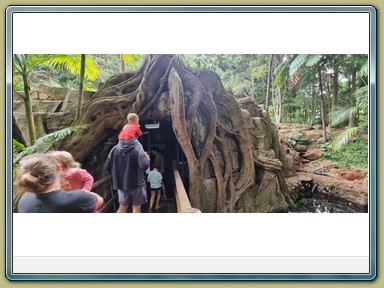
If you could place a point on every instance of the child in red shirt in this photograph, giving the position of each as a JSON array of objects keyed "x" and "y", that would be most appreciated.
[
  {"x": 131, "y": 131},
  {"x": 72, "y": 176}
]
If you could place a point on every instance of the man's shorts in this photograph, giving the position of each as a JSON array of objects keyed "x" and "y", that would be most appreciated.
[{"x": 136, "y": 197}]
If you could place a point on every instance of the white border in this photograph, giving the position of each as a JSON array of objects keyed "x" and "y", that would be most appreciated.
[{"x": 191, "y": 33}]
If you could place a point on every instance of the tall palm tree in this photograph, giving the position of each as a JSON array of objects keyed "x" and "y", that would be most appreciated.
[
  {"x": 78, "y": 64},
  {"x": 23, "y": 66},
  {"x": 353, "y": 106},
  {"x": 308, "y": 60}
]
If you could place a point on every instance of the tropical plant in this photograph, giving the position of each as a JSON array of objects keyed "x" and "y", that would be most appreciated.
[
  {"x": 23, "y": 67},
  {"x": 354, "y": 107},
  {"x": 130, "y": 60},
  {"x": 79, "y": 64},
  {"x": 44, "y": 143},
  {"x": 307, "y": 60}
]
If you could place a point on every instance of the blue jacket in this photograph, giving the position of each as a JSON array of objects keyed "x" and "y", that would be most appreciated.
[{"x": 127, "y": 164}]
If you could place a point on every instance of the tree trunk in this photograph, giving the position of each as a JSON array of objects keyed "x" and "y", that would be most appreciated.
[
  {"x": 279, "y": 105},
  {"x": 81, "y": 89},
  {"x": 207, "y": 124},
  {"x": 335, "y": 84},
  {"x": 353, "y": 118},
  {"x": 268, "y": 83},
  {"x": 322, "y": 106},
  {"x": 122, "y": 63},
  {"x": 28, "y": 109},
  {"x": 16, "y": 132},
  {"x": 313, "y": 104}
]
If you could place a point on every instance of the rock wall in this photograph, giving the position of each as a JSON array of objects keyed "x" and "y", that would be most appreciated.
[
  {"x": 267, "y": 194},
  {"x": 54, "y": 108}
]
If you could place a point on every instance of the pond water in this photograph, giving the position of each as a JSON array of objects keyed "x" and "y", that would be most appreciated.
[{"x": 309, "y": 200}]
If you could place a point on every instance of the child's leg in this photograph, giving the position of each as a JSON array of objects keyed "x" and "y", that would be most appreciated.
[
  {"x": 153, "y": 194},
  {"x": 158, "y": 198}
]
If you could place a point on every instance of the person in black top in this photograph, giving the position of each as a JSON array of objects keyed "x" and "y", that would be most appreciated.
[{"x": 39, "y": 178}]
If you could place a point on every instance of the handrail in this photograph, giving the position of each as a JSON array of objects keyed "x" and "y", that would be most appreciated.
[
  {"x": 106, "y": 206},
  {"x": 182, "y": 200},
  {"x": 101, "y": 182}
]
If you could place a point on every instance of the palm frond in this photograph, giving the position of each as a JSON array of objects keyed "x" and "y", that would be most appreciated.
[
  {"x": 341, "y": 114},
  {"x": 72, "y": 63},
  {"x": 343, "y": 138},
  {"x": 92, "y": 69},
  {"x": 313, "y": 59},
  {"x": 282, "y": 74},
  {"x": 132, "y": 59},
  {"x": 364, "y": 69},
  {"x": 361, "y": 96},
  {"x": 44, "y": 143},
  {"x": 297, "y": 63}
]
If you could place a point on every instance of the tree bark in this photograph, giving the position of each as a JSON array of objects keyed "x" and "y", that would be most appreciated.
[
  {"x": 353, "y": 118},
  {"x": 28, "y": 108},
  {"x": 279, "y": 105},
  {"x": 81, "y": 89},
  {"x": 322, "y": 105},
  {"x": 335, "y": 83},
  {"x": 122, "y": 63},
  {"x": 268, "y": 83}
]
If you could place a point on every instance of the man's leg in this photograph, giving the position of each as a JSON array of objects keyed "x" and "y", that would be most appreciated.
[
  {"x": 123, "y": 201},
  {"x": 139, "y": 197},
  {"x": 122, "y": 208},
  {"x": 136, "y": 209}
]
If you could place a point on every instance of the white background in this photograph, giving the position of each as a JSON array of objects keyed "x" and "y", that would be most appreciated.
[{"x": 191, "y": 234}]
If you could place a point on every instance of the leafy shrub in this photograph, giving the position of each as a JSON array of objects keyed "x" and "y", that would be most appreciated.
[{"x": 354, "y": 154}]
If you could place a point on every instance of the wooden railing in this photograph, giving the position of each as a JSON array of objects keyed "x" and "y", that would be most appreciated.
[
  {"x": 182, "y": 200},
  {"x": 104, "y": 208}
]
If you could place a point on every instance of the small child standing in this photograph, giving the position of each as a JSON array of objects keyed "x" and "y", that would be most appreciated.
[
  {"x": 131, "y": 131},
  {"x": 155, "y": 181},
  {"x": 72, "y": 176}
]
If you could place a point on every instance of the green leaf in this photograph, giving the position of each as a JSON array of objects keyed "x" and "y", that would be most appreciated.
[
  {"x": 313, "y": 59},
  {"x": 297, "y": 63},
  {"x": 44, "y": 143},
  {"x": 343, "y": 138},
  {"x": 72, "y": 62}
]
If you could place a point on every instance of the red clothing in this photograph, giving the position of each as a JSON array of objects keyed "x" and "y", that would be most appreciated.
[
  {"x": 129, "y": 131},
  {"x": 76, "y": 178}
]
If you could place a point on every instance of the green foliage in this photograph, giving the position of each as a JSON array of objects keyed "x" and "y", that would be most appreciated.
[
  {"x": 354, "y": 154},
  {"x": 343, "y": 138},
  {"x": 44, "y": 143},
  {"x": 72, "y": 63},
  {"x": 131, "y": 60}
]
